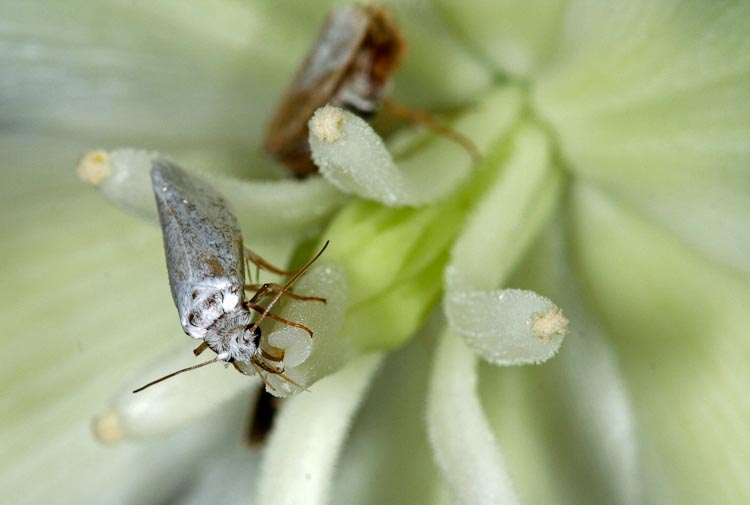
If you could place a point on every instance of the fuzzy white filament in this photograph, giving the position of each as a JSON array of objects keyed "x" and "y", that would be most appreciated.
[
  {"x": 172, "y": 404},
  {"x": 265, "y": 207},
  {"x": 125, "y": 179},
  {"x": 516, "y": 206},
  {"x": 355, "y": 159},
  {"x": 308, "y": 359},
  {"x": 308, "y": 435},
  {"x": 507, "y": 327},
  {"x": 464, "y": 445}
]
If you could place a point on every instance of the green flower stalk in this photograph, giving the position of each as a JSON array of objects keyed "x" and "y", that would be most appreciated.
[{"x": 610, "y": 200}]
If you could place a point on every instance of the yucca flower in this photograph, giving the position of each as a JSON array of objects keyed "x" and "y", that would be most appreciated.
[{"x": 614, "y": 182}]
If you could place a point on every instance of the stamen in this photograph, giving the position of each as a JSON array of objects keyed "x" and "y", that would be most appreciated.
[
  {"x": 465, "y": 449},
  {"x": 507, "y": 327}
]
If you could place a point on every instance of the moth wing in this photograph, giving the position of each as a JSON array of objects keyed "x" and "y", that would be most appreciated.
[
  {"x": 318, "y": 77},
  {"x": 202, "y": 239}
]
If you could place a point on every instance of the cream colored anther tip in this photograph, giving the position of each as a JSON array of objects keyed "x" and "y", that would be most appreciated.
[
  {"x": 551, "y": 323},
  {"x": 327, "y": 124},
  {"x": 94, "y": 167},
  {"x": 107, "y": 428}
]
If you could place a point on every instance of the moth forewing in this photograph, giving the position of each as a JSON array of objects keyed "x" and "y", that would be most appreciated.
[{"x": 203, "y": 247}]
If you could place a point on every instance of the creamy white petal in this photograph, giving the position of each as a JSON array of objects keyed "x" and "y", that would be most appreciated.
[{"x": 85, "y": 301}]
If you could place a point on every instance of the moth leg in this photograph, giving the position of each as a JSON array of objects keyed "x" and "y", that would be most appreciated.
[
  {"x": 278, "y": 373},
  {"x": 257, "y": 371},
  {"x": 263, "y": 378},
  {"x": 264, "y": 290},
  {"x": 240, "y": 370},
  {"x": 262, "y": 310},
  {"x": 259, "y": 262},
  {"x": 427, "y": 120},
  {"x": 198, "y": 350}
]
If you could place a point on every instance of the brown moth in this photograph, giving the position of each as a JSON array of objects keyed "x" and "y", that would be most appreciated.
[{"x": 349, "y": 66}]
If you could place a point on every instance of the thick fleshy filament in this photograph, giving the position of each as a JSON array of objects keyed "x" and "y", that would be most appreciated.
[
  {"x": 353, "y": 157},
  {"x": 271, "y": 208},
  {"x": 308, "y": 435},
  {"x": 464, "y": 445}
]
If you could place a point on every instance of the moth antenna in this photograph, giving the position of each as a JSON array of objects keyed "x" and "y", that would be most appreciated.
[
  {"x": 299, "y": 273},
  {"x": 178, "y": 372}
]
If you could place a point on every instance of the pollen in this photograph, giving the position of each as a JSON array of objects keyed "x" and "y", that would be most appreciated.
[
  {"x": 327, "y": 124},
  {"x": 94, "y": 167},
  {"x": 551, "y": 323}
]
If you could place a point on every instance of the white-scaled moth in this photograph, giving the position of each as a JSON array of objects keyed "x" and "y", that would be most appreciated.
[{"x": 206, "y": 266}]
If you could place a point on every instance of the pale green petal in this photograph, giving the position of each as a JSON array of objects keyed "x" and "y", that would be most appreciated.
[
  {"x": 394, "y": 258},
  {"x": 282, "y": 209},
  {"x": 170, "y": 405},
  {"x": 302, "y": 451},
  {"x": 652, "y": 101},
  {"x": 151, "y": 72},
  {"x": 85, "y": 301},
  {"x": 452, "y": 79},
  {"x": 681, "y": 324},
  {"x": 514, "y": 37},
  {"x": 465, "y": 448},
  {"x": 226, "y": 477}
]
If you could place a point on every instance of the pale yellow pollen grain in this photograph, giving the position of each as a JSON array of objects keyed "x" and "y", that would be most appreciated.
[
  {"x": 551, "y": 323},
  {"x": 327, "y": 124},
  {"x": 107, "y": 428},
  {"x": 94, "y": 167}
]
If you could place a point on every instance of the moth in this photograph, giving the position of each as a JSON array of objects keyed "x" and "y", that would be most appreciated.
[
  {"x": 206, "y": 261},
  {"x": 349, "y": 65}
]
